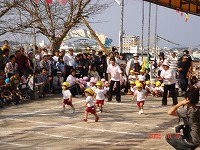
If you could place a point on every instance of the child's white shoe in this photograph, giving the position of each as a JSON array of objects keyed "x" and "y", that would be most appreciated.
[{"x": 141, "y": 111}]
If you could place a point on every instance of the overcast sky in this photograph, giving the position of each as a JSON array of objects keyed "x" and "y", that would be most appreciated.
[{"x": 171, "y": 25}]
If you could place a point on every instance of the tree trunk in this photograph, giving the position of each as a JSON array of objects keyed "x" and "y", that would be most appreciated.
[{"x": 55, "y": 44}]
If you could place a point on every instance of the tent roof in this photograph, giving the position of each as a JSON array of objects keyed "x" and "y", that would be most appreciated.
[{"x": 187, "y": 6}]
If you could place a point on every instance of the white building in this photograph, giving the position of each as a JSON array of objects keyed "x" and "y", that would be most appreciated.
[{"x": 130, "y": 44}]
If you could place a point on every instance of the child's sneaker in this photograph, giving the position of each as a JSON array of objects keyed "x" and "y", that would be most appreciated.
[
  {"x": 85, "y": 120},
  {"x": 141, "y": 111},
  {"x": 100, "y": 111},
  {"x": 97, "y": 119}
]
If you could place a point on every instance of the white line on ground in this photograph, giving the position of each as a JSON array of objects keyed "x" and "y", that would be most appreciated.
[
  {"x": 83, "y": 128},
  {"x": 9, "y": 143}
]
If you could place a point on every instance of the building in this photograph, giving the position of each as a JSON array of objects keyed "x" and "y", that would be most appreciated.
[{"x": 130, "y": 44}]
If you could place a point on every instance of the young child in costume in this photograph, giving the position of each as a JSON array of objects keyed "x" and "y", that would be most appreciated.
[
  {"x": 67, "y": 96},
  {"x": 140, "y": 93},
  {"x": 90, "y": 106},
  {"x": 100, "y": 95}
]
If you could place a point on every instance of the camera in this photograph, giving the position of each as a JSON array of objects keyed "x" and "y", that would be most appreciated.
[{"x": 184, "y": 128}]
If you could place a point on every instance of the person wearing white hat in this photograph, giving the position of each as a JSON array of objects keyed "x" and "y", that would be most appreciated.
[
  {"x": 44, "y": 62},
  {"x": 169, "y": 81}
]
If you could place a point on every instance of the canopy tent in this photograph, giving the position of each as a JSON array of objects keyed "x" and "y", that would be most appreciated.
[{"x": 187, "y": 6}]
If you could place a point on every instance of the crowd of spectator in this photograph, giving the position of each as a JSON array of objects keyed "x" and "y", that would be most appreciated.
[{"x": 51, "y": 69}]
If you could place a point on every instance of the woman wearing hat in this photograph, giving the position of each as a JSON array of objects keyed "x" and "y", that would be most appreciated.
[{"x": 169, "y": 81}]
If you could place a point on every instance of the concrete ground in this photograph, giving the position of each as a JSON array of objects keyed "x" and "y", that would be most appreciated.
[{"x": 40, "y": 125}]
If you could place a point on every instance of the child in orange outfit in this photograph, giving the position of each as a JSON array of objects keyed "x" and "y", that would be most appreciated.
[
  {"x": 90, "y": 106},
  {"x": 67, "y": 96}
]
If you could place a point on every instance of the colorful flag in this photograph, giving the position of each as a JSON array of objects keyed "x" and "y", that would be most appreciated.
[
  {"x": 186, "y": 17},
  {"x": 143, "y": 64},
  {"x": 49, "y": 1},
  {"x": 147, "y": 63},
  {"x": 62, "y": 2},
  {"x": 36, "y": 1}
]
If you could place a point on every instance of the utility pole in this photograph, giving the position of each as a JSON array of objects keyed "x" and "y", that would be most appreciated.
[
  {"x": 121, "y": 27},
  {"x": 156, "y": 34},
  {"x": 149, "y": 29}
]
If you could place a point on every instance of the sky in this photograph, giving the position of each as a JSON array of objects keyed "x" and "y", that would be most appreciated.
[{"x": 171, "y": 25}]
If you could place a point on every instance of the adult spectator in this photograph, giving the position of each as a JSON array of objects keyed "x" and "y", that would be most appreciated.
[
  {"x": 61, "y": 66},
  {"x": 136, "y": 67},
  {"x": 69, "y": 61},
  {"x": 44, "y": 63},
  {"x": 5, "y": 58},
  {"x": 160, "y": 62},
  {"x": 86, "y": 64},
  {"x": 122, "y": 61},
  {"x": 117, "y": 57},
  {"x": 62, "y": 53},
  {"x": 102, "y": 65},
  {"x": 75, "y": 86},
  {"x": 11, "y": 67},
  {"x": 173, "y": 63},
  {"x": 38, "y": 57},
  {"x": 21, "y": 61},
  {"x": 29, "y": 62},
  {"x": 131, "y": 63},
  {"x": 95, "y": 58},
  {"x": 188, "y": 111},
  {"x": 5, "y": 45},
  {"x": 15, "y": 81},
  {"x": 38, "y": 85},
  {"x": 183, "y": 68},
  {"x": 56, "y": 56},
  {"x": 57, "y": 82},
  {"x": 78, "y": 65},
  {"x": 169, "y": 81},
  {"x": 52, "y": 64},
  {"x": 45, "y": 79},
  {"x": 114, "y": 77}
]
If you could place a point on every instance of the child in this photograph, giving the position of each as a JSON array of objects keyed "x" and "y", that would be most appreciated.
[
  {"x": 148, "y": 87},
  {"x": 90, "y": 106},
  {"x": 132, "y": 87},
  {"x": 141, "y": 94},
  {"x": 100, "y": 95},
  {"x": 106, "y": 87},
  {"x": 103, "y": 82},
  {"x": 92, "y": 84},
  {"x": 67, "y": 96},
  {"x": 158, "y": 91},
  {"x": 141, "y": 77},
  {"x": 153, "y": 89},
  {"x": 131, "y": 76}
]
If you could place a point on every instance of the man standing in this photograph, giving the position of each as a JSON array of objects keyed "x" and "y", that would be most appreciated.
[
  {"x": 114, "y": 76},
  {"x": 69, "y": 61},
  {"x": 183, "y": 68}
]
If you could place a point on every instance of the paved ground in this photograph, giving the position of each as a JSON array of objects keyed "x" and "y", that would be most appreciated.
[{"x": 40, "y": 125}]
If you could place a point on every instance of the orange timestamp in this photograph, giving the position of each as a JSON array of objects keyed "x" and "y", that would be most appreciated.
[{"x": 159, "y": 136}]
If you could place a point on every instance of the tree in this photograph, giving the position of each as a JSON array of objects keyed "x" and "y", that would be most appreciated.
[{"x": 52, "y": 21}]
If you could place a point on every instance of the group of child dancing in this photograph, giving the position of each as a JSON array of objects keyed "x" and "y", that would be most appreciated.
[
  {"x": 94, "y": 90},
  {"x": 97, "y": 91}
]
